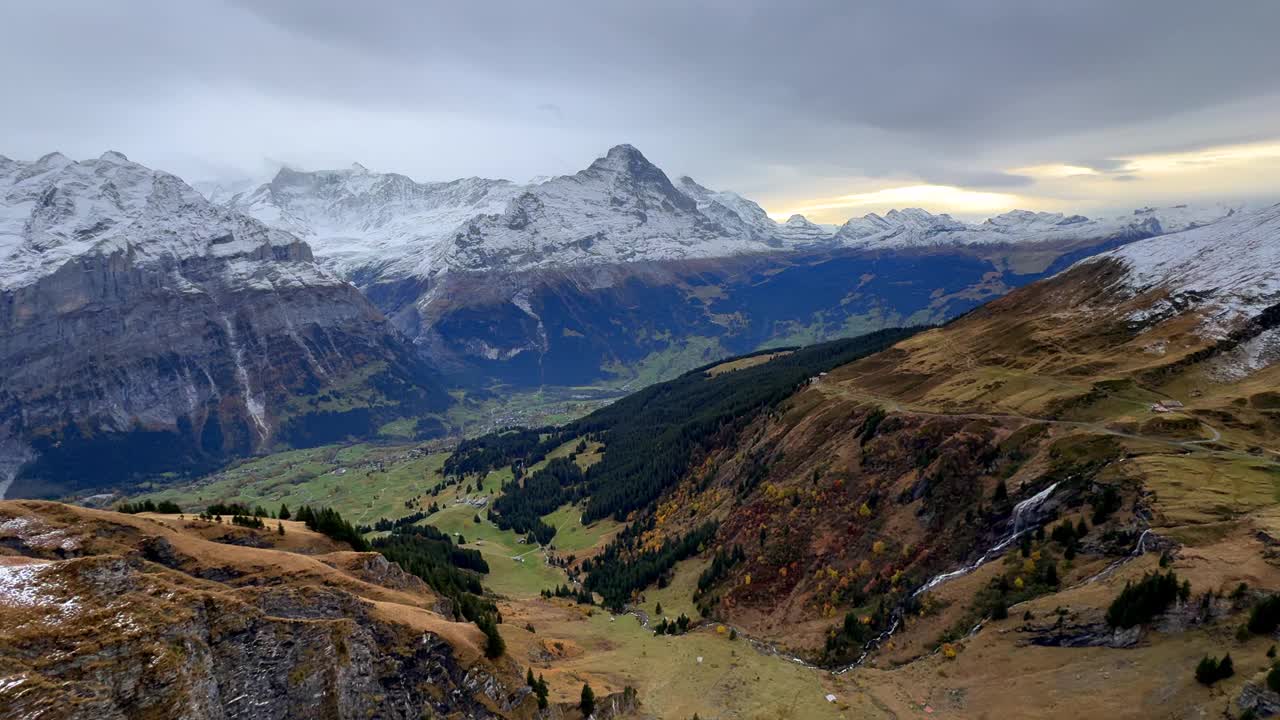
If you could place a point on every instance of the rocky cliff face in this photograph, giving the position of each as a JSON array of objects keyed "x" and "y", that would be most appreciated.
[
  {"x": 145, "y": 329},
  {"x": 157, "y": 623}
]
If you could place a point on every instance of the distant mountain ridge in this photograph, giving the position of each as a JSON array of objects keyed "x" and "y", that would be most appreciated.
[{"x": 622, "y": 208}]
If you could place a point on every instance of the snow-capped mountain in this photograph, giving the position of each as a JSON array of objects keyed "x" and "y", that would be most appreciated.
[
  {"x": 733, "y": 212},
  {"x": 800, "y": 231},
  {"x": 357, "y": 220},
  {"x": 1226, "y": 273},
  {"x": 621, "y": 208},
  {"x": 914, "y": 227},
  {"x": 373, "y": 226},
  {"x": 56, "y": 210},
  {"x": 134, "y": 312}
]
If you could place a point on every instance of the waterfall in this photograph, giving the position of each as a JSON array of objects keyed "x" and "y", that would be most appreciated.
[
  {"x": 1138, "y": 549},
  {"x": 1017, "y": 528},
  {"x": 1141, "y": 547},
  {"x": 256, "y": 408},
  {"x": 1031, "y": 504}
]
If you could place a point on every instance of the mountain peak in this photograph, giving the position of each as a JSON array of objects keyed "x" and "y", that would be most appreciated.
[
  {"x": 53, "y": 158},
  {"x": 626, "y": 150},
  {"x": 622, "y": 157},
  {"x": 113, "y": 156},
  {"x": 285, "y": 174},
  {"x": 358, "y": 168},
  {"x": 690, "y": 184}
]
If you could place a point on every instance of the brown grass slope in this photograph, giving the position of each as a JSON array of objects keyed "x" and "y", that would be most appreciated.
[{"x": 885, "y": 473}]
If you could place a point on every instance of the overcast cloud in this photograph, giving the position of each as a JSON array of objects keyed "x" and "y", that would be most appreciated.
[{"x": 787, "y": 102}]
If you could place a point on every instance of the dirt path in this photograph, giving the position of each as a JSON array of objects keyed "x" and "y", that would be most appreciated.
[{"x": 1097, "y": 427}]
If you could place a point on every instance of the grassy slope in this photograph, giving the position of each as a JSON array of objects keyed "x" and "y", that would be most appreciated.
[
  {"x": 732, "y": 680},
  {"x": 572, "y": 537}
]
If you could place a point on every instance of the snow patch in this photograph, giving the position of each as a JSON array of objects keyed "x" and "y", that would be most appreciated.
[
  {"x": 1226, "y": 272},
  {"x": 37, "y": 535},
  {"x": 29, "y": 586},
  {"x": 1247, "y": 358}
]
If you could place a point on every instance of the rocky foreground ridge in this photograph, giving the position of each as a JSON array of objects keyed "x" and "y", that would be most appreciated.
[{"x": 114, "y": 616}]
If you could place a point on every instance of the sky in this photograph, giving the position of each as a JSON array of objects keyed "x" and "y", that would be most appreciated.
[{"x": 831, "y": 109}]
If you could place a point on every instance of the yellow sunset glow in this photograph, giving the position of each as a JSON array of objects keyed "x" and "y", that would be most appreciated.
[
  {"x": 936, "y": 198},
  {"x": 1198, "y": 160},
  {"x": 1055, "y": 170},
  {"x": 1221, "y": 171}
]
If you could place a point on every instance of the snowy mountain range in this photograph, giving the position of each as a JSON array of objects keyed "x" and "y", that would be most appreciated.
[
  {"x": 620, "y": 209},
  {"x": 914, "y": 227}
]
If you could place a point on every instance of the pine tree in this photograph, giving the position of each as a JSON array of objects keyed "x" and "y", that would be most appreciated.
[
  {"x": 494, "y": 645},
  {"x": 999, "y": 609},
  {"x": 588, "y": 702},
  {"x": 541, "y": 691},
  {"x": 280, "y": 527},
  {"x": 528, "y": 679},
  {"x": 284, "y": 512},
  {"x": 1226, "y": 668},
  {"x": 1207, "y": 671},
  {"x": 1051, "y": 574}
]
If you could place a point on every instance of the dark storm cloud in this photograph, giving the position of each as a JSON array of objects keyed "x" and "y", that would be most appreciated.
[{"x": 734, "y": 92}]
